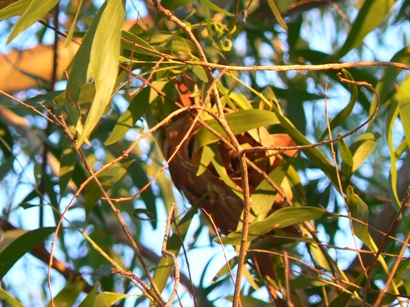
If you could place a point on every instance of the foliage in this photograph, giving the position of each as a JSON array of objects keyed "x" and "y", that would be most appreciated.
[{"x": 279, "y": 150}]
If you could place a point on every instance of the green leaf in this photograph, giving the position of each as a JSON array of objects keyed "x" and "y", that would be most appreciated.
[
  {"x": 362, "y": 148},
  {"x": 34, "y": 12},
  {"x": 277, "y": 14},
  {"x": 313, "y": 154},
  {"x": 264, "y": 195},
  {"x": 173, "y": 4},
  {"x": 239, "y": 122},
  {"x": 341, "y": 117},
  {"x": 221, "y": 170},
  {"x": 403, "y": 99},
  {"x": 104, "y": 58},
  {"x": 372, "y": 13},
  {"x": 11, "y": 301},
  {"x": 343, "y": 298},
  {"x": 391, "y": 118},
  {"x": 359, "y": 211},
  {"x": 281, "y": 218},
  {"x": 68, "y": 295},
  {"x": 21, "y": 245},
  {"x": 216, "y": 8},
  {"x": 67, "y": 163},
  {"x": 78, "y": 75},
  {"x": 107, "y": 179},
  {"x": 385, "y": 86},
  {"x": 206, "y": 158},
  {"x": 90, "y": 298},
  {"x": 107, "y": 299},
  {"x": 136, "y": 39},
  {"x": 14, "y": 9},
  {"x": 347, "y": 161},
  {"x": 249, "y": 301},
  {"x": 137, "y": 108}
]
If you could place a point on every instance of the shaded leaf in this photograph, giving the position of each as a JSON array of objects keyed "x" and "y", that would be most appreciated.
[
  {"x": 90, "y": 298},
  {"x": 347, "y": 161},
  {"x": 174, "y": 244},
  {"x": 341, "y": 117},
  {"x": 68, "y": 295},
  {"x": 21, "y": 245},
  {"x": 372, "y": 13}
]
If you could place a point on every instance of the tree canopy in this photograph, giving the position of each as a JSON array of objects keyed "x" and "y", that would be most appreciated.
[{"x": 205, "y": 152}]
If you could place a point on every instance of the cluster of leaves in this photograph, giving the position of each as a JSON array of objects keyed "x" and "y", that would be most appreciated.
[{"x": 180, "y": 92}]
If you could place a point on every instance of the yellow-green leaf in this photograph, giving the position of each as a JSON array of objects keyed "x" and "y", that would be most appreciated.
[
  {"x": 359, "y": 211},
  {"x": 34, "y": 12},
  {"x": 372, "y": 13},
  {"x": 13, "y": 9},
  {"x": 403, "y": 98},
  {"x": 104, "y": 60},
  {"x": 279, "y": 219},
  {"x": 239, "y": 122}
]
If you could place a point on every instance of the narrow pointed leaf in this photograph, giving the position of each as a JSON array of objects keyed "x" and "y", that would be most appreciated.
[
  {"x": 359, "y": 211},
  {"x": 14, "y": 9},
  {"x": 279, "y": 219},
  {"x": 362, "y": 148},
  {"x": 372, "y": 13},
  {"x": 239, "y": 122},
  {"x": 105, "y": 52},
  {"x": 403, "y": 99},
  {"x": 23, "y": 244},
  {"x": 10, "y": 300},
  {"x": 342, "y": 115},
  {"x": 34, "y": 12}
]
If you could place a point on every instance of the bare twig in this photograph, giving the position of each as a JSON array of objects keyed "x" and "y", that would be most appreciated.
[{"x": 166, "y": 253}]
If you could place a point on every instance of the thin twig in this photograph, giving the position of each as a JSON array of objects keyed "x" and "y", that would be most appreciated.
[
  {"x": 393, "y": 272},
  {"x": 166, "y": 254}
]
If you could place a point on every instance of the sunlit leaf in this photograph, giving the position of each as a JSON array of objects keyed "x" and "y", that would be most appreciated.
[
  {"x": 239, "y": 122},
  {"x": 10, "y": 300},
  {"x": 403, "y": 99},
  {"x": 362, "y": 148},
  {"x": 390, "y": 120},
  {"x": 16, "y": 8},
  {"x": 34, "y": 12},
  {"x": 360, "y": 212},
  {"x": 279, "y": 219},
  {"x": 104, "y": 58},
  {"x": 107, "y": 299}
]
